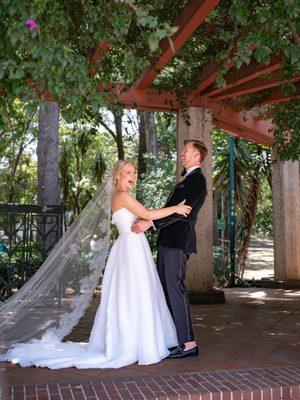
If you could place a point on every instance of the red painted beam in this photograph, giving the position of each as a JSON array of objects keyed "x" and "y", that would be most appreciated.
[
  {"x": 245, "y": 74},
  {"x": 245, "y": 124},
  {"x": 254, "y": 86},
  {"x": 240, "y": 132},
  {"x": 149, "y": 99},
  {"x": 209, "y": 74},
  {"x": 98, "y": 50},
  {"x": 230, "y": 129},
  {"x": 191, "y": 17},
  {"x": 274, "y": 96}
]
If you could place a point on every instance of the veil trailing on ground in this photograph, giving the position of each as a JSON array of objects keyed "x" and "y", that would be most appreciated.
[{"x": 51, "y": 303}]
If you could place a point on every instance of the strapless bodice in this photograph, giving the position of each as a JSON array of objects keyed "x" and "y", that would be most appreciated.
[{"x": 123, "y": 219}]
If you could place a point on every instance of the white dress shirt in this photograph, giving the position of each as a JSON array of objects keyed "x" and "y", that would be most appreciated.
[{"x": 189, "y": 170}]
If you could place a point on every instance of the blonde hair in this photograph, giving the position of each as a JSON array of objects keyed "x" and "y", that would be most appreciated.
[
  {"x": 200, "y": 146},
  {"x": 117, "y": 168}
]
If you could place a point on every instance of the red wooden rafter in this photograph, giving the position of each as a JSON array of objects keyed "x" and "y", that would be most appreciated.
[
  {"x": 209, "y": 74},
  {"x": 246, "y": 80},
  {"x": 252, "y": 86},
  {"x": 191, "y": 17},
  {"x": 245, "y": 124},
  {"x": 275, "y": 95},
  {"x": 244, "y": 74}
]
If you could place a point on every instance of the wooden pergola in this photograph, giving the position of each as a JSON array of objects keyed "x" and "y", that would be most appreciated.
[
  {"x": 208, "y": 105},
  {"x": 247, "y": 80}
]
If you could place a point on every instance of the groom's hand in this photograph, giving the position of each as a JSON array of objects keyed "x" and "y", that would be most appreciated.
[{"x": 141, "y": 226}]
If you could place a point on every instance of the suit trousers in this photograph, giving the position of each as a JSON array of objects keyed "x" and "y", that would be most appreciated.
[{"x": 171, "y": 266}]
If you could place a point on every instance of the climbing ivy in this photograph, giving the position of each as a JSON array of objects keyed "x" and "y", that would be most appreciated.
[{"x": 47, "y": 45}]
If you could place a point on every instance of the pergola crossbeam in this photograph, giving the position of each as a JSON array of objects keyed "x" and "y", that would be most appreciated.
[
  {"x": 254, "y": 86},
  {"x": 275, "y": 96},
  {"x": 245, "y": 124},
  {"x": 209, "y": 74},
  {"x": 191, "y": 17},
  {"x": 238, "y": 132},
  {"x": 245, "y": 74}
]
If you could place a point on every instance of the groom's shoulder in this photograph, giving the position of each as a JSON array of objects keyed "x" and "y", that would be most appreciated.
[{"x": 197, "y": 176}]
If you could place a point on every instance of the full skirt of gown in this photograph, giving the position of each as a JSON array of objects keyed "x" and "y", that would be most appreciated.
[{"x": 132, "y": 323}]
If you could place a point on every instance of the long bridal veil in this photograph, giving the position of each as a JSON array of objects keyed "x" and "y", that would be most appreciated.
[{"x": 51, "y": 303}]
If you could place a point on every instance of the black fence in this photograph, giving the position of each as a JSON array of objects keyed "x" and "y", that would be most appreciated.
[{"x": 27, "y": 235}]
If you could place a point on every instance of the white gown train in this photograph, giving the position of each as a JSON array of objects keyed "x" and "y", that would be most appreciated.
[{"x": 133, "y": 322}]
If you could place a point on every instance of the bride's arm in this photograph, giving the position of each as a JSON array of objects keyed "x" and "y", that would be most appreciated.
[{"x": 133, "y": 205}]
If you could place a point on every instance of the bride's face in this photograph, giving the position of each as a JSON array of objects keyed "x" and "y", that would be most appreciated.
[{"x": 127, "y": 177}]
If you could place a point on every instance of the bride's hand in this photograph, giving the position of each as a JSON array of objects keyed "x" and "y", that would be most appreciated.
[{"x": 182, "y": 209}]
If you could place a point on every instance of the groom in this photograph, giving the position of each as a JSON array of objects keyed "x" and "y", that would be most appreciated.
[{"x": 177, "y": 240}]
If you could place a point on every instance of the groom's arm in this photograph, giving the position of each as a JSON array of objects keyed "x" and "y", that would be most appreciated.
[{"x": 194, "y": 192}]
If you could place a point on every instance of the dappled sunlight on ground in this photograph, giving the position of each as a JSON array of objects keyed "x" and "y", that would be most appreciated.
[
  {"x": 254, "y": 328},
  {"x": 260, "y": 262}
]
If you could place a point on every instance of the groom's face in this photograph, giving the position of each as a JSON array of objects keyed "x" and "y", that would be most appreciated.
[{"x": 189, "y": 155}]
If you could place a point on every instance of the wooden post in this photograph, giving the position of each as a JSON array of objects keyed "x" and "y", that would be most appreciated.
[
  {"x": 200, "y": 266},
  {"x": 286, "y": 219}
]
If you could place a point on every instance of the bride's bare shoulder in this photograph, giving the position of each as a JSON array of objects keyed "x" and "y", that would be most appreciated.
[
  {"x": 121, "y": 194},
  {"x": 119, "y": 198}
]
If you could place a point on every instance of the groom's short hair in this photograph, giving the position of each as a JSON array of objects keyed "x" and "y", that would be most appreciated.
[{"x": 200, "y": 146}]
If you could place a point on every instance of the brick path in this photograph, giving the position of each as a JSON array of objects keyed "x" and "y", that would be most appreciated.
[
  {"x": 252, "y": 384},
  {"x": 249, "y": 349}
]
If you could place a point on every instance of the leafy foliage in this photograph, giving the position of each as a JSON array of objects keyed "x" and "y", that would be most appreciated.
[
  {"x": 54, "y": 57},
  {"x": 263, "y": 223},
  {"x": 52, "y": 54},
  {"x": 252, "y": 167},
  {"x": 287, "y": 132},
  {"x": 18, "y": 133}
]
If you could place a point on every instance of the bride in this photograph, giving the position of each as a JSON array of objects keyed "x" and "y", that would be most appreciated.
[{"x": 133, "y": 322}]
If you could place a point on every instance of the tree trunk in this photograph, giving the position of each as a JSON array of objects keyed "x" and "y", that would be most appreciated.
[
  {"x": 248, "y": 220},
  {"x": 119, "y": 136},
  {"x": 64, "y": 177},
  {"x": 151, "y": 135},
  {"x": 142, "y": 167},
  {"x": 15, "y": 162},
  {"x": 147, "y": 139},
  {"x": 216, "y": 240},
  {"x": 47, "y": 154},
  {"x": 48, "y": 168}
]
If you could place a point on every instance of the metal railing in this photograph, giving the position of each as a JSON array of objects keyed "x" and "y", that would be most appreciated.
[{"x": 27, "y": 235}]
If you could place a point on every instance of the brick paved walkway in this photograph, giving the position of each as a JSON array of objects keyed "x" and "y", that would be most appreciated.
[
  {"x": 249, "y": 349},
  {"x": 258, "y": 383}
]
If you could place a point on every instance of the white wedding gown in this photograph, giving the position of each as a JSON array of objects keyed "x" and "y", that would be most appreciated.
[{"x": 133, "y": 322}]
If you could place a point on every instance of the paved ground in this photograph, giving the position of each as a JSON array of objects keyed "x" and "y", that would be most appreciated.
[
  {"x": 260, "y": 263},
  {"x": 255, "y": 328}
]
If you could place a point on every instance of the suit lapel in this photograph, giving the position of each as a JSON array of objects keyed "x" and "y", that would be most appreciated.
[
  {"x": 171, "y": 194},
  {"x": 174, "y": 188}
]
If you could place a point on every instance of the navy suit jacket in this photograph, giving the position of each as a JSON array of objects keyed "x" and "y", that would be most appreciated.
[{"x": 176, "y": 230}]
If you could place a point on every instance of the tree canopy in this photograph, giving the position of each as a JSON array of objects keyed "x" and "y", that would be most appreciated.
[{"x": 48, "y": 46}]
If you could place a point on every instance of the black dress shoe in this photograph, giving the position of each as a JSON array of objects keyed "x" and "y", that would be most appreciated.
[{"x": 179, "y": 352}]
